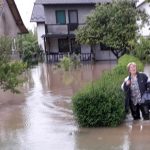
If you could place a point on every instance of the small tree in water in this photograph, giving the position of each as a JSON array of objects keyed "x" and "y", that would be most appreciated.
[
  {"x": 69, "y": 62},
  {"x": 10, "y": 71}
]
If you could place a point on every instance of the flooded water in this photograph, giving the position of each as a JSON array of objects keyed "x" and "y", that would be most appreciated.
[{"x": 41, "y": 118}]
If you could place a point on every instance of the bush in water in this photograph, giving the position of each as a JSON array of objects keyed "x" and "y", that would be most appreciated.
[{"x": 102, "y": 103}]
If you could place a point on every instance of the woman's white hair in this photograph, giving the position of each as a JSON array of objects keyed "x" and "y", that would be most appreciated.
[{"x": 129, "y": 64}]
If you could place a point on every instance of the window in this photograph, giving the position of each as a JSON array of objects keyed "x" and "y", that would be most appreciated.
[
  {"x": 63, "y": 45},
  {"x": 60, "y": 17},
  {"x": 73, "y": 19},
  {"x": 75, "y": 47},
  {"x": 73, "y": 16}
]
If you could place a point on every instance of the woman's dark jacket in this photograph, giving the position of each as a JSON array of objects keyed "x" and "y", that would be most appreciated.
[{"x": 142, "y": 81}]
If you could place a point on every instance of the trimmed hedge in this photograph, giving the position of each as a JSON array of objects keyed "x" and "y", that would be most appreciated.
[{"x": 102, "y": 102}]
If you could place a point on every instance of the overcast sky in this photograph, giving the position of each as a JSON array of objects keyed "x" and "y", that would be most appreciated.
[{"x": 25, "y": 9}]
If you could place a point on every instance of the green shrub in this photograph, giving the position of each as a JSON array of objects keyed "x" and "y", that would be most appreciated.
[
  {"x": 125, "y": 59},
  {"x": 10, "y": 70},
  {"x": 30, "y": 51},
  {"x": 102, "y": 103},
  {"x": 69, "y": 62},
  {"x": 66, "y": 63},
  {"x": 142, "y": 48}
]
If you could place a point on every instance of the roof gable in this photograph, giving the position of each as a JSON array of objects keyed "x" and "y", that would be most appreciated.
[{"x": 16, "y": 15}]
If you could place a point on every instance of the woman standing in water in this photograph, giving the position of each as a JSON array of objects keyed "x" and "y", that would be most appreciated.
[{"x": 134, "y": 87}]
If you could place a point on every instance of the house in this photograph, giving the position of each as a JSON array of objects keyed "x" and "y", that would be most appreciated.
[
  {"x": 11, "y": 23},
  {"x": 57, "y": 21},
  {"x": 144, "y": 5}
]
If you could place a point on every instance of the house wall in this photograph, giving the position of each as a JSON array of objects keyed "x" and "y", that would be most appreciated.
[
  {"x": 145, "y": 31},
  {"x": 82, "y": 13},
  {"x": 50, "y": 20},
  {"x": 103, "y": 54},
  {"x": 40, "y": 31},
  {"x": 7, "y": 23},
  {"x": 85, "y": 49}
]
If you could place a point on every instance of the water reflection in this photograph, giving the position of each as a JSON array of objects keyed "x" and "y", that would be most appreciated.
[
  {"x": 67, "y": 83},
  {"x": 129, "y": 136},
  {"x": 42, "y": 118}
]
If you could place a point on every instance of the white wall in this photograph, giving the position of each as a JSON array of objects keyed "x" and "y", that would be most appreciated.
[
  {"x": 85, "y": 49},
  {"x": 83, "y": 11},
  {"x": 40, "y": 32},
  {"x": 145, "y": 31},
  {"x": 103, "y": 54}
]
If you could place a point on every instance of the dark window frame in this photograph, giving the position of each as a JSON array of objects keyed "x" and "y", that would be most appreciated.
[{"x": 74, "y": 10}]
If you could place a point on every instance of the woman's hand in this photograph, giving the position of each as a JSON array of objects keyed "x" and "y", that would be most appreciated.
[{"x": 128, "y": 82}]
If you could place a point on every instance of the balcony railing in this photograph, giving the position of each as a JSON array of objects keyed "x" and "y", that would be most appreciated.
[{"x": 56, "y": 57}]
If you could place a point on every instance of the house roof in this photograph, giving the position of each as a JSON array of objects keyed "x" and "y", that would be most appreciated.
[
  {"x": 16, "y": 15},
  {"x": 38, "y": 13},
  {"x": 38, "y": 9},
  {"x": 71, "y": 1}
]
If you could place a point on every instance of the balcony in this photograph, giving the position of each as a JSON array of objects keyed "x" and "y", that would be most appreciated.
[
  {"x": 61, "y": 29},
  {"x": 56, "y": 29}
]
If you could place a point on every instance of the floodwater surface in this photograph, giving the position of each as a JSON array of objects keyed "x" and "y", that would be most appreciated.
[{"x": 41, "y": 118}]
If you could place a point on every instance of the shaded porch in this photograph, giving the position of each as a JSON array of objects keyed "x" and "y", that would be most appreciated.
[{"x": 59, "y": 45}]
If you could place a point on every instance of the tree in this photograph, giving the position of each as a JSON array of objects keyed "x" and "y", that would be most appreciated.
[
  {"x": 29, "y": 48},
  {"x": 10, "y": 71},
  {"x": 114, "y": 25},
  {"x": 142, "y": 49}
]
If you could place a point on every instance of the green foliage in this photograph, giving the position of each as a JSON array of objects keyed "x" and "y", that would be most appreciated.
[
  {"x": 75, "y": 60},
  {"x": 125, "y": 59},
  {"x": 10, "y": 75},
  {"x": 5, "y": 48},
  {"x": 102, "y": 103},
  {"x": 10, "y": 71},
  {"x": 112, "y": 24},
  {"x": 29, "y": 48},
  {"x": 142, "y": 49},
  {"x": 70, "y": 62},
  {"x": 66, "y": 63}
]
